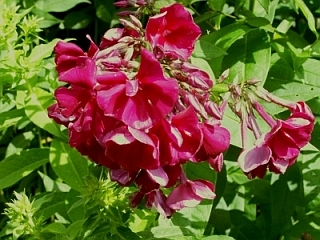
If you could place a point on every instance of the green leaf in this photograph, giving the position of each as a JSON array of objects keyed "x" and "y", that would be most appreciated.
[
  {"x": 50, "y": 204},
  {"x": 36, "y": 110},
  {"x": 124, "y": 233},
  {"x": 10, "y": 118},
  {"x": 75, "y": 228},
  {"x": 284, "y": 199},
  {"x": 77, "y": 210},
  {"x": 315, "y": 49},
  {"x": 217, "y": 237},
  {"x": 141, "y": 219},
  {"x": 243, "y": 228},
  {"x": 165, "y": 232},
  {"x": 48, "y": 19},
  {"x": 308, "y": 15},
  {"x": 216, "y": 4},
  {"x": 306, "y": 228},
  {"x": 283, "y": 82},
  {"x": 58, "y": 5},
  {"x": 207, "y": 50},
  {"x": 51, "y": 185},
  {"x": 309, "y": 163},
  {"x": 227, "y": 35},
  {"x": 19, "y": 142},
  {"x": 17, "y": 166},
  {"x": 206, "y": 16},
  {"x": 260, "y": 22},
  {"x": 42, "y": 51},
  {"x": 248, "y": 60},
  {"x": 55, "y": 227},
  {"x": 223, "y": 39},
  {"x": 200, "y": 171},
  {"x": 192, "y": 221},
  {"x": 265, "y": 4},
  {"x": 220, "y": 186},
  {"x": 77, "y": 20},
  {"x": 163, "y": 3},
  {"x": 68, "y": 164},
  {"x": 104, "y": 10}
]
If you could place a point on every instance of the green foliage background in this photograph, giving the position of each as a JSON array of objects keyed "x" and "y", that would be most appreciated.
[{"x": 68, "y": 197}]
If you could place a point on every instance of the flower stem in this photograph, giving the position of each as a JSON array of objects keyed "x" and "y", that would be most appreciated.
[{"x": 262, "y": 112}]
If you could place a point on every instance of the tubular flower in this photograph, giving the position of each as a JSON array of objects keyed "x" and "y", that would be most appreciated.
[
  {"x": 279, "y": 148},
  {"x": 216, "y": 140},
  {"x": 180, "y": 139},
  {"x": 190, "y": 193},
  {"x": 128, "y": 109},
  {"x": 172, "y": 33},
  {"x": 143, "y": 101},
  {"x": 132, "y": 149}
]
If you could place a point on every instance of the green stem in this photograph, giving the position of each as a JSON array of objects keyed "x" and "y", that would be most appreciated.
[
  {"x": 193, "y": 9},
  {"x": 251, "y": 6}
]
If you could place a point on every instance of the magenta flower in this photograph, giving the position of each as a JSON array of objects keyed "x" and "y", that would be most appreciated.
[
  {"x": 196, "y": 77},
  {"x": 120, "y": 176},
  {"x": 142, "y": 102},
  {"x": 70, "y": 103},
  {"x": 300, "y": 124},
  {"x": 132, "y": 149},
  {"x": 216, "y": 140},
  {"x": 67, "y": 55},
  {"x": 180, "y": 139},
  {"x": 172, "y": 33},
  {"x": 279, "y": 148},
  {"x": 150, "y": 188},
  {"x": 190, "y": 193},
  {"x": 254, "y": 161},
  {"x": 275, "y": 150},
  {"x": 158, "y": 200}
]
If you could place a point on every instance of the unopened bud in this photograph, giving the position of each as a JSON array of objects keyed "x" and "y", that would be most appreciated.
[
  {"x": 253, "y": 81},
  {"x": 220, "y": 88},
  {"x": 213, "y": 110},
  {"x": 129, "y": 25},
  {"x": 126, "y": 39},
  {"x": 224, "y": 75},
  {"x": 136, "y": 22},
  {"x": 129, "y": 53}
]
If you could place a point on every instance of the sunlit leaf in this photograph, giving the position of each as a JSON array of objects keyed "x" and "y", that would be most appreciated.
[
  {"x": 68, "y": 164},
  {"x": 19, "y": 165}
]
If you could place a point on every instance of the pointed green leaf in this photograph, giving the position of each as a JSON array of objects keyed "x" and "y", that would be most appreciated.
[
  {"x": 58, "y": 5},
  {"x": 283, "y": 82},
  {"x": 207, "y": 50},
  {"x": 19, "y": 165},
  {"x": 50, "y": 204},
  {"x": 265, "y": 4},
  {"x": 42, "y": 51},
  {"x": 217, "y": 237},
  {"x": 10, "y": 118},
  {"x": 308, "y": 15},
  {"x": 19, "y": 142},
  {"x": 55, "y": 227},
  {"x": 104, "y": 10},
  {"x": 285, "y": 191},
  {"x": 248, "y": 60},
  {"x": 68, "y": 164},
  {"x": 36, "y": 110}
]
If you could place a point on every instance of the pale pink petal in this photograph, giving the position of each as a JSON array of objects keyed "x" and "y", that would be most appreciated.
[{"x": 254, "y": 157}]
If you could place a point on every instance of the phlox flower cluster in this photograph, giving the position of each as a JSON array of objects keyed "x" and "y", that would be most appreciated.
[
  {"x": 136, "y": 105},
  {"x": 278, "y": 148}
]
